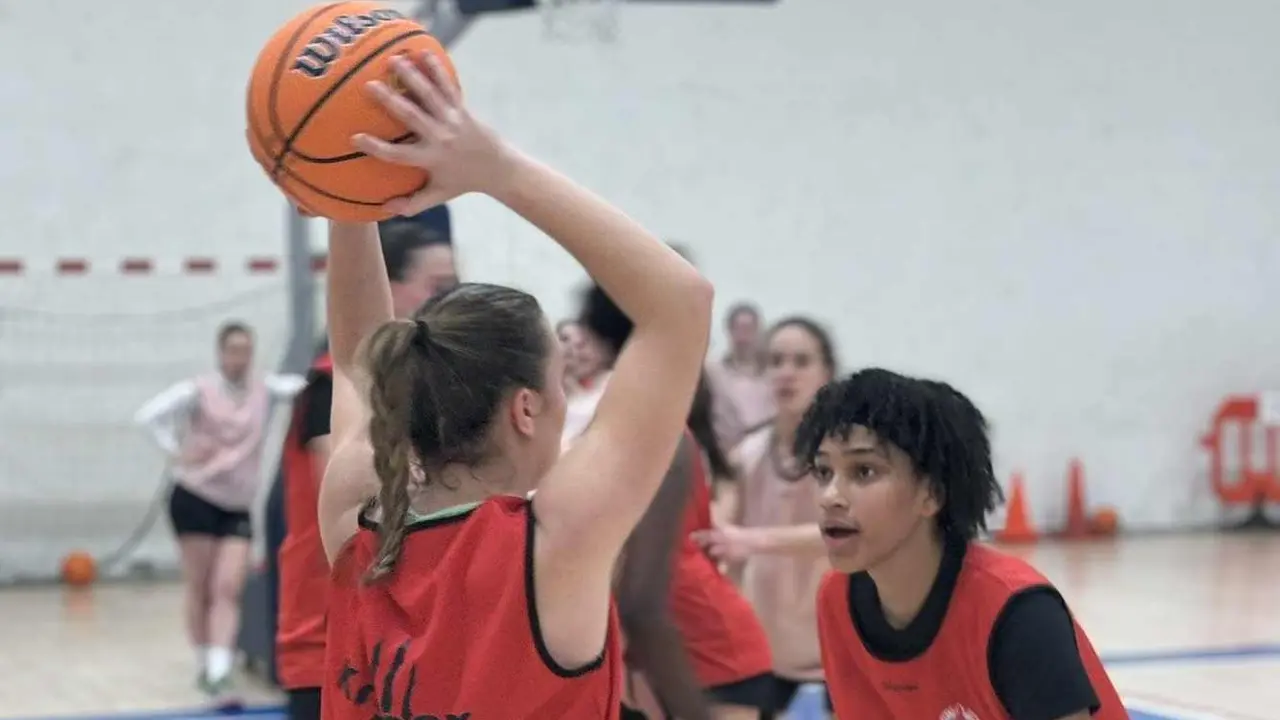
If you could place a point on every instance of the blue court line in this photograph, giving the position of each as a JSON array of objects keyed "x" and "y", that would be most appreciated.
[
  {"x": 1189, "y": 655},
  {"x": 263, "y": 712},
  {"x": 1152, "y": 657}
]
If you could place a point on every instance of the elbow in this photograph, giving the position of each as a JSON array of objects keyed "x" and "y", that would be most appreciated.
[{"x": 698, "y": 298}]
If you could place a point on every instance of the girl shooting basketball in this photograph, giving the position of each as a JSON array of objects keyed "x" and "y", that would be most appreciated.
[
  {"x": 452, "y": 592},
  {"x": 920, "y": 620}
]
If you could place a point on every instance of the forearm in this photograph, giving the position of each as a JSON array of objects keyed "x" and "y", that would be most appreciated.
[
  {"x": 359, "y": 297},
  {"x": 649, "y": 281},
  {"x": 654, "y": 647},
  {"x": 789, "y": 540},
  {"x": 161, "y": 414},
  {"x": 165, "y": 436}
]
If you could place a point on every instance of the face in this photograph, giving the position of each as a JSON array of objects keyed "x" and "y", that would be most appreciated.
[
  {"x": 796, "y": 369},
  {"x": 744, "y": 332},
  {"x": 235, "y": 356},
  {"x": 871, "y": 499},
  {"x": 570, "y": 337},
  {"x": 538, "y": 418},
  {"x": 431, "y": 271},
  {"x": 590, "y": 356}
]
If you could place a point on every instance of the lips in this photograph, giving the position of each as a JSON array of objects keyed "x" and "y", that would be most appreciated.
[{"x": 839, "y": 530}]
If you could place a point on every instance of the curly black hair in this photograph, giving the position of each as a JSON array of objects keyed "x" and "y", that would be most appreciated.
[
  {"x": 601, "y": 316},
  {"x": 940, "y": 429}
]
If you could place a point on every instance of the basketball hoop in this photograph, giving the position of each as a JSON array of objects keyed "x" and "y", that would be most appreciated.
[{"x": 571, "y": 21}]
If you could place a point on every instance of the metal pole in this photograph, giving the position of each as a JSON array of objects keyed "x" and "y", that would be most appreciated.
[{"x": 302, "y": 294}]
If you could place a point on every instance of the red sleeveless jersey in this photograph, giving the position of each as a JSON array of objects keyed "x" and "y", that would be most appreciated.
[
  {"x": 722, "y": 635},
  {"x": 951, "y": 680},
  {"x": 304, "y": 570},
  {"x": 453, "y": 631}
]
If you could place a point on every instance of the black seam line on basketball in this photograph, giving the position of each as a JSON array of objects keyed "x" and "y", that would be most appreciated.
[
  {"x": 350, "y": 156},
  {"x": 274, "y": 91},
  {"x": 319, "y": 191},
  {"x": 337, "y": 85},
  {"x": 325, "y": 193}
]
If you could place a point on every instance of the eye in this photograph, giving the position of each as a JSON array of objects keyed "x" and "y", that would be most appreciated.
[
  {"x": 864, "y": 472},
  {"x": 776, "y": 359},
  {"x": 822, "y": 474}
]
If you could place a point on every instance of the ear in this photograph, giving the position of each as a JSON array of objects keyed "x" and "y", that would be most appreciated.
[
  {"x": 526, "y": 405},
  {"x": 932, "y": 500}
]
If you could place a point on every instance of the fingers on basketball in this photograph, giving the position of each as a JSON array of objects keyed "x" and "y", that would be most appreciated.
[{"x": 305, "y": 104}]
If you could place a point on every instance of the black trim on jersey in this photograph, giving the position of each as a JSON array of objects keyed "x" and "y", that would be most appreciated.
[
  {"x": 531, "y": 602},
  {"x": 416, "y": 525},
  {"x": 889, "y": 644}
]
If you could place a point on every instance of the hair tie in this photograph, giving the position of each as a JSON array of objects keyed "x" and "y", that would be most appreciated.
[{"x": 422, "y": 335}]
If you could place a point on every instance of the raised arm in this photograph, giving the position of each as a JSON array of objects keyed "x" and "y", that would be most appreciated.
[
  {"x": 590, "y": 501},
  {"x": 359, "y": 302}
]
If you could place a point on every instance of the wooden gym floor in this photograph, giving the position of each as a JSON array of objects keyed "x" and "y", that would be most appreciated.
[{"x": 1190, "y": 626}]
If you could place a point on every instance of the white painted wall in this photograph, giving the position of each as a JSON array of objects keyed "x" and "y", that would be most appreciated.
[{"x": 1066, "y": 210}]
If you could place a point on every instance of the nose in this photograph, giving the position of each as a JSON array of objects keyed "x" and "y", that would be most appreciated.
[{"x": 829, "y": 498}]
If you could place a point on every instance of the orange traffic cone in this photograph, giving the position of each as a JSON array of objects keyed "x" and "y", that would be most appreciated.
[
  {"x": 1017, "y": 523},
  {"x": 1077, "y": 517}
]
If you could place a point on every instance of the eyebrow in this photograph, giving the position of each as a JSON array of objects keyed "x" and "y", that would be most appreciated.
[{"x": 859, "y": 451}]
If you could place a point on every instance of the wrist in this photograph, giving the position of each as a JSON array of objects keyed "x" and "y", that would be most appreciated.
[
  {"x": 758, "y": 540},
  {"x": 510, "y": 168}
]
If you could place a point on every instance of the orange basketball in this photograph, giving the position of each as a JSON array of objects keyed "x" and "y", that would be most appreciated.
[
  {"x": 307, "y": 97},
  {"x": 1106, "y": 521},
  {"x": 78, "y": 569}
]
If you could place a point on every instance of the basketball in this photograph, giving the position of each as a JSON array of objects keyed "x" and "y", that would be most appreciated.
[
  {"x": 307, "y": 97},
  {"x": 1105, "y": 522},
  {"x": 78, "y": 569}
]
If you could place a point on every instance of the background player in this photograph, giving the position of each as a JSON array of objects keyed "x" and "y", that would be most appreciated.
[
  {"x": 419, "y": 264},
  {"x": 689, "y": 631},
  {"x": 212, "y": 428},
  {"x": 773, "y": 537}
]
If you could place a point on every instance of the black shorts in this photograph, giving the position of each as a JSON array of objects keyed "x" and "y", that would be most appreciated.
[
  {"x": 753, "y": 692},
  {"x": 784, "y": 693},
  {"x": 193, "y": 515},
  {"x": 304, "y": 704}
]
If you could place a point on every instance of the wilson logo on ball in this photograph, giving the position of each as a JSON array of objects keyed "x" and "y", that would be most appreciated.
[{"x": 319, "y": 54}]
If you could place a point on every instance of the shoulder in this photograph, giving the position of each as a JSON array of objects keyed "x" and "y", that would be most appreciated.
[
  {"x": 1035, "y": 659},
  {"x": 990, "y": 569},
  {"x": 284, "y": 385},
  {"x": 833, "y": 591}
]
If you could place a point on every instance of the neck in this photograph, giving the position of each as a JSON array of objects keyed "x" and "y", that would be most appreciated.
[
  {"x": 784, "y": 431},
  {"x": 744, "y": 360},
  {"x": 903, "y": 580},
  {"x": 233, "y": 380},
  {"x": 456, "y": 486}
]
